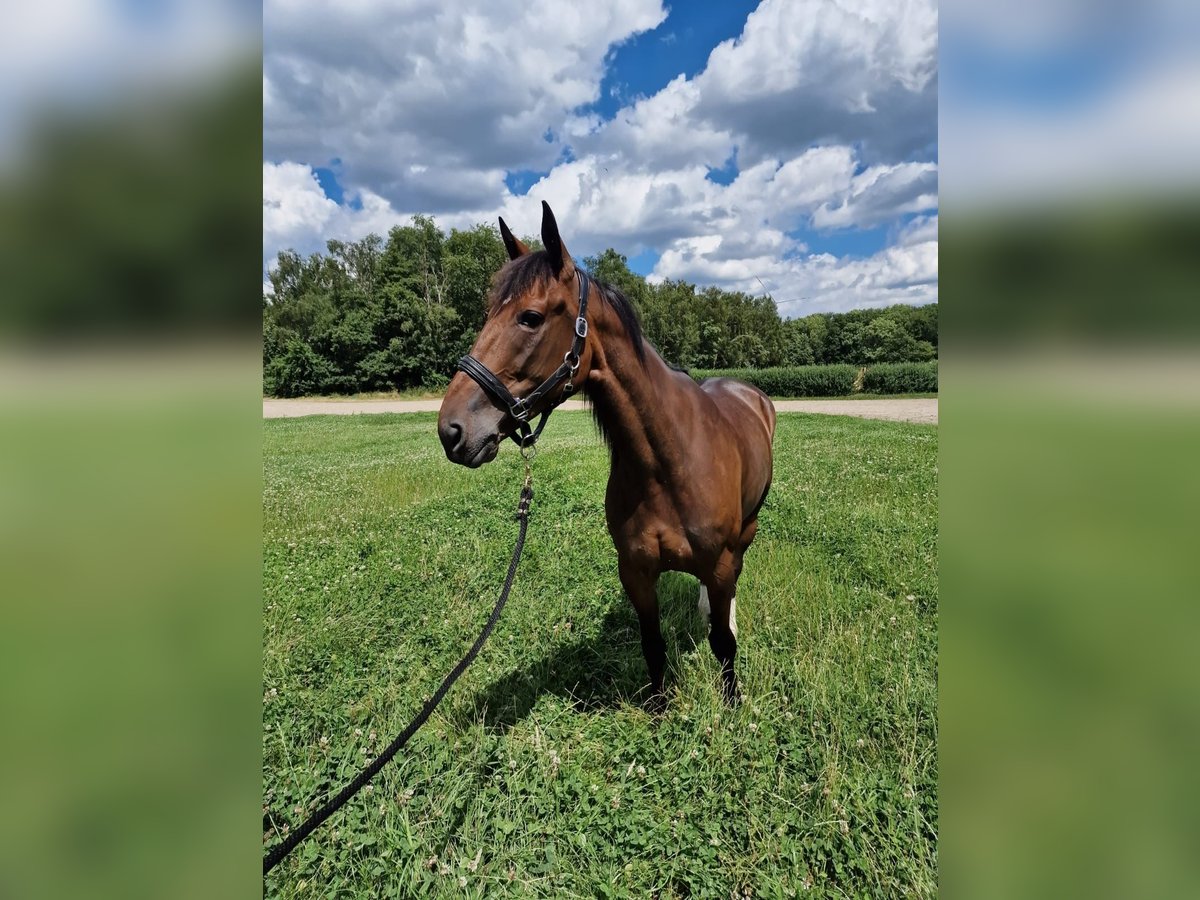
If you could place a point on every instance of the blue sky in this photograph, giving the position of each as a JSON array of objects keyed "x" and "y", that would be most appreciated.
[
  {"x": 786, "y": 144},
  {"x": 646, "y": 62}
]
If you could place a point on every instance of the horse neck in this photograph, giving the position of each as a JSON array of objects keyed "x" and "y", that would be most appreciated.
[{"x": 632, "y": 400}]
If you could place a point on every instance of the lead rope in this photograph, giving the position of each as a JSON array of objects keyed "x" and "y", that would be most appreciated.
[{"x": 289, "y": 843}]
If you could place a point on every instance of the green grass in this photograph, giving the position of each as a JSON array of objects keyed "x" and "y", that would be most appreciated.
[
  {"x": 542, "y": 774},
  {"x": 866, "y": 396}
]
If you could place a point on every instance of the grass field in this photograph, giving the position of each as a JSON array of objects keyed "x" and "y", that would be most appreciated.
[{"x": 541, "y": 774}]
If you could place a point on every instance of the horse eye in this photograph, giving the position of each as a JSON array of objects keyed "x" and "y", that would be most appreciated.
[{"x": 530, "y": 319}]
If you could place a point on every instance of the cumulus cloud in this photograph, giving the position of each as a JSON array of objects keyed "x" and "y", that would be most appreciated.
[
  {"x": 806, "y": 71},
  {"x": 428, "y": 102},
  {"x": 880, "y": 194},
  {"x": 298, "y": 216},
  {"x": 820, "y": 282},
  {"x": 818, "y": 188},
  {"x": 802, "y": 72},
  {"x": 829, "y": 109}
]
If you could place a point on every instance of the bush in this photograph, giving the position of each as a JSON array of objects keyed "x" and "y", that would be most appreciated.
[
  {"x": 834, "y": 381},
  {"x": 791, "y": 381},
  {"x": 298, "y": 371},
  {"x": 902, "y": 378}
]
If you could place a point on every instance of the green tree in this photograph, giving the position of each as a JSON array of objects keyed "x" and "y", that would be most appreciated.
[{"x": 396, "y": 313}]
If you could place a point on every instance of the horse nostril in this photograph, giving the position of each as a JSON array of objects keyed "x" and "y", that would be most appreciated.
[{"x": 451, "y": 434}]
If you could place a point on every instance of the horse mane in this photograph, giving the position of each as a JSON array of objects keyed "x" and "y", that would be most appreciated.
[{"x": 525, "y": 272}]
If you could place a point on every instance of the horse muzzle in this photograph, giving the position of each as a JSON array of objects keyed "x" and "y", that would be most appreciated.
[{"x": 464, "y": 452}]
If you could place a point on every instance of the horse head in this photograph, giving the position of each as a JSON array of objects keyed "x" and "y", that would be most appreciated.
[{"x": 532, "y": 346}]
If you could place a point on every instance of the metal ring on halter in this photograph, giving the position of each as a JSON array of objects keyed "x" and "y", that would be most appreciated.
[
  {"x": 528, "y": 450},
  {"x": 571, "y": 358}
]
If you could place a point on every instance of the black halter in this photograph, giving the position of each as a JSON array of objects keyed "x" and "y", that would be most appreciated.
[{"x": 522, "y": 409}]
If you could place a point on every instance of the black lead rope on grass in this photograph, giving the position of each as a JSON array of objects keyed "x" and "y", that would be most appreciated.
[{"x": 289, "y": 843}]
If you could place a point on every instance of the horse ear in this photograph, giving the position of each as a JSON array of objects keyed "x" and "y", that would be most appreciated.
[
  {"x": 512, "y": 244},
  {"x": 559, "y": 257}
]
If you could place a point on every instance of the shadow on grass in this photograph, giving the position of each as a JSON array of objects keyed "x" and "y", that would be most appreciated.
[
  {"x": 595, "y": 674},
  {"x": 603, "y": 671}
]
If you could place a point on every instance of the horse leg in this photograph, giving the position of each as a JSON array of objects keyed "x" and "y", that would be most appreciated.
[
  {"x": 704, "y": 606},
  {"x": 642, "y": 588},
  {"x": 720, "y": 591}
]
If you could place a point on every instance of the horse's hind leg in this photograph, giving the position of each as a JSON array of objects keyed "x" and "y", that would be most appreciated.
[
  {"x": 704, "y": 605},
  {"x": 721, "y": 591},
  {"x": 642, "y": 588},
  {"x": 705, "y": 608}
]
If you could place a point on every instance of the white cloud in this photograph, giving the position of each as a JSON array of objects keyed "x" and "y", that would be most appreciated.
[
  {"x": 918, "y": 231},
  {"x": 467, "y": 91},
  {"x": 880, "y": 194},
  {"x": 802, "y": 72},
  {"x": 297, "y": 214},
  {"x": 814, "y": 283},
  {"x": 829, "y": 107}
]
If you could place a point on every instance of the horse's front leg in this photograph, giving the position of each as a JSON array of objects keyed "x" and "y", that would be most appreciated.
[{"x": 642, "y": 587}]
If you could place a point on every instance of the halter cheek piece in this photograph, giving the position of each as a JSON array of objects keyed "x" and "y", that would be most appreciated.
[{"x": 522, "y": 409}]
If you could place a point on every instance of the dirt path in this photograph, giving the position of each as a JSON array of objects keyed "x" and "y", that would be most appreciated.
[{"x": 923, "y": 410}]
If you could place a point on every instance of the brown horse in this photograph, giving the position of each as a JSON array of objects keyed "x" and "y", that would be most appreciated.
[{"x": 690, "y": 464}]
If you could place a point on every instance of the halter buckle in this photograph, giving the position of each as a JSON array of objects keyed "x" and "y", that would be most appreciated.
[
  {"x": 519, "y": 410},
  {"x": 581, "y": 327}
]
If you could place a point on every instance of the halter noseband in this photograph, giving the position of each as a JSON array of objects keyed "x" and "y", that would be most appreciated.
[{"x": 522, "y": 409}]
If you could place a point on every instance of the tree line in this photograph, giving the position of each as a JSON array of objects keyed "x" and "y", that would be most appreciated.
[{"x": 388, "y": 314}]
